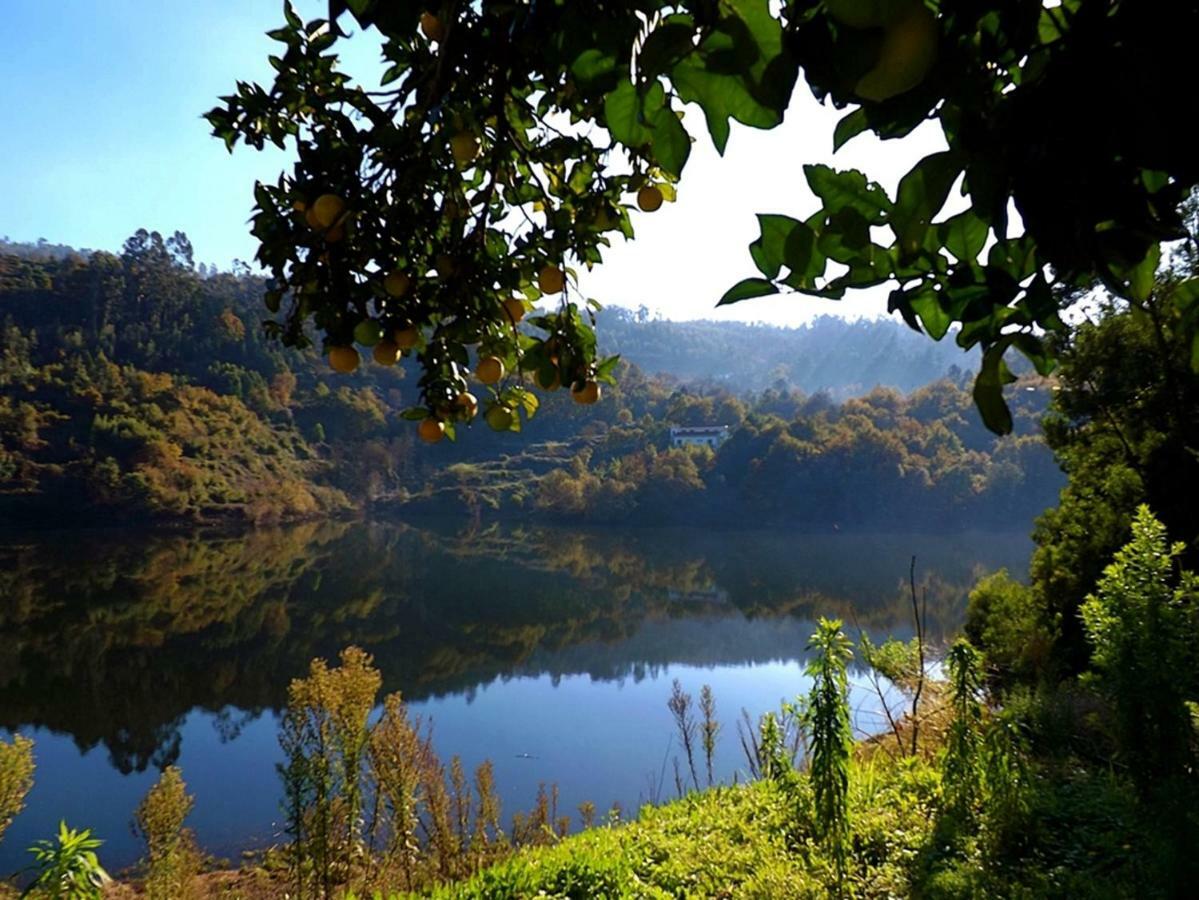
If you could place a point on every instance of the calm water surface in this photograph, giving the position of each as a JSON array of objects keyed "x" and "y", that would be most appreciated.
[{"x": 549, "y": 651}]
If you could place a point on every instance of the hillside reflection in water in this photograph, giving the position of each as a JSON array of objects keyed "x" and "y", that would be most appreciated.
[{"x": 550, "y": 651}]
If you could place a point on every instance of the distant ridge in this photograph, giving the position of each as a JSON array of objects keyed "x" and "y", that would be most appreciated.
[{"x": 831, "y": 355}]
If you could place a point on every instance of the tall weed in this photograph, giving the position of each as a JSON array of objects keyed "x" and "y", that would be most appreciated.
[
  {"x": 172, "y": 860},
  {"x": 831, "y": 737}
]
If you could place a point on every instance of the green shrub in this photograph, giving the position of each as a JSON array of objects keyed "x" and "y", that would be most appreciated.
[
  {"x": 16, "y": 778},
  {"x": 172, "y": 860},
  {"x": 1005, "y": 622},
  {"x": 68, "y": 869},
  {"x": 1141, "y": 627},
  {"x": 325, "y": 737},
  {"x": 370, "y": 805}
]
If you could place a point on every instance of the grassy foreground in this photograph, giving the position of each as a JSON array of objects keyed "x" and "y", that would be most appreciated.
[
  {"x": 1080, "y": 836},
  {"x": 742, "y": 841}
]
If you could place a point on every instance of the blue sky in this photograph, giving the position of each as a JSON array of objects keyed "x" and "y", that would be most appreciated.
[{"x": 103, "y": 102}]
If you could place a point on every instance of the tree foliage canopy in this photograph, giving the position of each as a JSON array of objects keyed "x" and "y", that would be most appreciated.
[{"x": 507, "y": 142}]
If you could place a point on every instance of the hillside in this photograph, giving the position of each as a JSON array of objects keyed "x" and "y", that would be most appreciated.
[{"x": 141, "y": 384}]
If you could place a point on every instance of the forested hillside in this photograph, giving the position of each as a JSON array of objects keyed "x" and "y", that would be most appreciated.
[{"x": 138, "y": 384}]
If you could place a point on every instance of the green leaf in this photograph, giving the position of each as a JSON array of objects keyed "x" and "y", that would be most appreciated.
[
  {"x": 1143, "y": 276},
  {"x": 1185, "y": 294},
  {"x": 988, "y": 389},
  {"x": 868, "y": 270},
  {"x": 670, "y": 142},
  {"x": 526, "y": 400},
  {"x": 595, "y": 70},
  {"x": 1035, "y": 351},
  {"x": 922, "y": 193},
  {"x": 1015, "y": 257},
  {"x": 850, "y": 188},
  {"x": 788, "y": 242},
  {"x": 927, "y": 305},
  {"x": 360, "y": 8},
  {"x": 964, "y": 235},
  {"x": 622, "y": 114},
  {"x": 605, "y": 371},
  {"x": 769, "y": 250},
  {"x": 849, "y": 127},
  {"x": 741, "y": 70},
  {"x": 746, "y": 289},
  {"x": 666, "y": 44},
  {"x": 846, "y": 237}
]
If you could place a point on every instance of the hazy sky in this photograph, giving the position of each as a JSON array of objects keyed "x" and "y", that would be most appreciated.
[{"x": 103, "y": 135}]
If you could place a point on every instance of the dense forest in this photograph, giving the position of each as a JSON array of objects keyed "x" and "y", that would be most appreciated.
[{"x": 141, "y": 384}]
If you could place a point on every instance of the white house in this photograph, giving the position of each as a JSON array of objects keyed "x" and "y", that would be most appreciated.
[{"x": 703, "y": 436}]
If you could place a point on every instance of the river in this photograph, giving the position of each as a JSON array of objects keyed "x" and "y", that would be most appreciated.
[{"x": 550, "y": 651}]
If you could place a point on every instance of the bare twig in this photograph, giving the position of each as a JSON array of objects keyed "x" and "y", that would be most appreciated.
[
  {"x": 920, "y": 645},
  {"x": 878, "y": 688}
]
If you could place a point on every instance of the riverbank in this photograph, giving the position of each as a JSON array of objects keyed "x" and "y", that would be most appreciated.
[{"x": 1077, "y": 832}]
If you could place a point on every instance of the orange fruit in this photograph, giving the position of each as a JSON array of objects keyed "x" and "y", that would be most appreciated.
[
  {"x": 649, "y": 198},
  {"x": 432, "y": 27},
  {"x": 343, "y": 359},
  {"x": 327, "y": 209},
  {"x": 368, "y": 332},
  {"x": 397, "y": 283},
  {"x": 406, "y": 338},
  {"x": 468, "y": 403},
  {"x": 515, "y": 309},
  {"x": 490, "y": 369},
  {"x": 589, "y": 393},
  {"x": 908, "y": 52},
  {"x": 551, "y": 279},
  {"x": 547, "y": 383},
  {"x": 465, "y": 147},
  {"x": 500, "y": 418},
  {"x": 431, "y": 430},
  {"x": 386, "y": 352}
]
